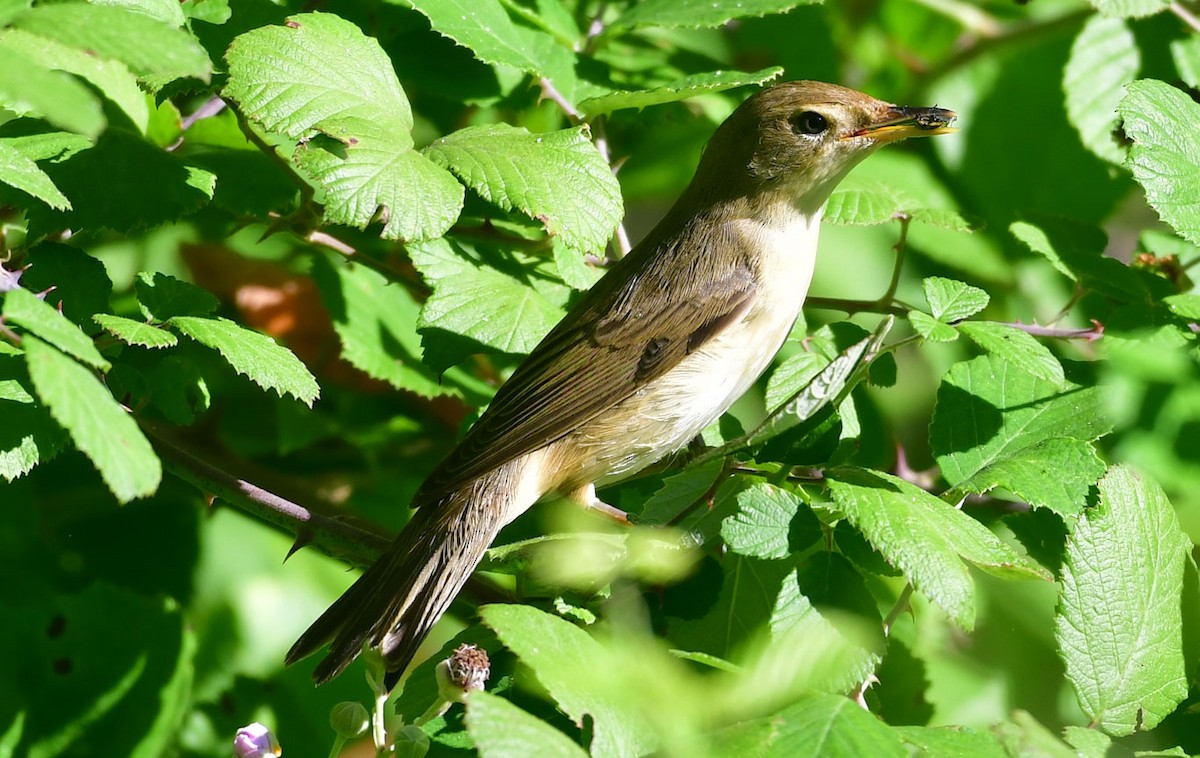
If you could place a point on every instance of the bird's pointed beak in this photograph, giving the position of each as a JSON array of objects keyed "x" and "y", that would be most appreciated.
[{"x": 899, "y": 122}]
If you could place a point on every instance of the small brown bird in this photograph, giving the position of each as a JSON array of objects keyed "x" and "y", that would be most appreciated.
[{"x": 653, "y": 353}]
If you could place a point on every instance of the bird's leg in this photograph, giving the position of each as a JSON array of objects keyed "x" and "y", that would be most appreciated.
[{"x": 586, "y": 496}]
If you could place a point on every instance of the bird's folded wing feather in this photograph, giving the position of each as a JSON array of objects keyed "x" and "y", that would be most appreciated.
[{"x": 625, "y": 333}]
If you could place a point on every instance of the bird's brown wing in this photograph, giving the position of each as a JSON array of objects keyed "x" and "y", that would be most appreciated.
[{"x": 632, "y": 327}]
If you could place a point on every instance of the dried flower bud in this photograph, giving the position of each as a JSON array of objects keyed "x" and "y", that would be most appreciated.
[
  {"x": 349, "y": 719},
  {"x": 255, "y": 741},
  {"x": 466, "y": 670}
]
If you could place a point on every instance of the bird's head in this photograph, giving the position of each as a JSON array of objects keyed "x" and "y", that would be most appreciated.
[{"x": 800, "y": 138}]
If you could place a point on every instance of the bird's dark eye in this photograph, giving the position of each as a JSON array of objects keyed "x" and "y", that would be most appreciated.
[{"x": 808, "y": 122}]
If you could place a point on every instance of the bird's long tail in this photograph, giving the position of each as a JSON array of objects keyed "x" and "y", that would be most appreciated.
[{"x": 396, "y": 601}]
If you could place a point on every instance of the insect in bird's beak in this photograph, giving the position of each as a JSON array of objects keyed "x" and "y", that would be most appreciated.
[{"x": 896, "y": 123}]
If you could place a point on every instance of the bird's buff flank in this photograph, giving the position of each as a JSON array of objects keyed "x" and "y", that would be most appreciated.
[{"x": 653, "y": 353}]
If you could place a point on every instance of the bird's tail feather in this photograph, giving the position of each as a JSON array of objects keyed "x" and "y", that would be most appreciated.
[{"x": 396, "y": 601}]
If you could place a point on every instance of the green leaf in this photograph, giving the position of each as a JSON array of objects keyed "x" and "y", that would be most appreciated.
[
  {"x": 253, "y": 355},
  {"x": 166, "y": 11},
  {"x": 830, "y": 387},
  {"x": 1165, "y": 157},
  {"x": 321, "y": 75},
  {"x": 377, "y": 326},
  {"x": 765, "y": 524},
  {"x": 1119, "y": 624},
  {"x": 1054, "y": 473},
  {"x": 18, "y": 171},
  {"x": 1104, "y": 58},
  {"x": 1186, "y": 306},
  {"x": 561, "y": 655},
  {"x": 746, "y": 602},
  {"x": 956, "y": 740},
  {"x": 144, "y": 44},
  {"x": 876, "y": 203},
  {"x": 991, "y": 414},
  {"x": 485, "y": 28},
  {"x": 698, "y": 13},
  {"x": 861, "y": 207},
  {"x": 135, "y": 332},
  {"x": 111, "y": 78},
  {"x": 29, "y": 435},
  {"x": 829, "y": 726},
  {"x": 925, "y": 537},
  {"x": 1077, "y": 251},
  {"x": 118, "y": 673},
  {"x": 942, "y": 218},
  {"x": 415, "y": 198},
  {"x": 792, "y": 376},
  {"x": 75, "y": 283},
  {"x": 493, "y": 309},
  {"x": 48, "y": 145},
  {"x": 500, "y": 729},
  {"x": 815, "y": 603},
  {"x": 1016, "y": 347},
  {"x": 29, "y": 88},
  {"x": 557, "y": 177},
  {"x": 1130, "y": 8},
  {"x": 144, "y": 186},
  {"x": 162, "y": 297},
  {"x": 951, "y": 300},
  {"x": 25, "y": 309},
  {"x": 1186, "y": 54},
  {"x": 930, "y": 328},
  {"x": 573, "y": 267},
  {"x": 100, "y": 428},
  {"x": 680, "y": 89},
  {"x": 678, "y": 492}
]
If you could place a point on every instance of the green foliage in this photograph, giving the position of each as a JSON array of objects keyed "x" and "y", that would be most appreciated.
[
  {"x": 1119, "y": 614},
  {"x": 209, "y": 211}
]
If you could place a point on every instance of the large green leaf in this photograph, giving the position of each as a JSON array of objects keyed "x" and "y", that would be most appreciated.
[
  {"x": 161, "y": 297},
  {"x": 484, "y": 27},
  {"x": 1119, "y": 624},
  {"x": 100, "y": 428},
  {"x": 951, "y": 300},
  {"x": 827, "y": 726},
  {"x": 1077, "y": 251},
  {"x": 30, "y": 88},
  {"x": 747, "y": 599},
  {"x": 253, "y": 355},
  {"x": 135, "y": 332},
  {"x": 18, "y": 171},
  {"x": 143, "y": 186},
  {"x": 29, "y": 435},
  {"x": 699, "y": 13},
  {"x": 557, "y": 177},
  {"x": 1130, "y": 8},
  {"x": 1016, "y": 347},
  {"x": 25, "y": 309},
  {"x": 488, "y": 308},
  {"x": 112, "y": 78},
  {"x": 560, "y": 655},
  {"x": 1165, "y": 157},
  {"x": 1104, "y": 58},
  {"x": 321, "y": 75},
  {"x": 500, "y": 729},
  {"x": 998, "y": 426},
  {"x": 680, "y": 89},
  {"x": 377, "y": 324},
  {"x": 144, "y": 44},
  {"x": 926, "y": 538},
  {"x": 767, "y": 523}
]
